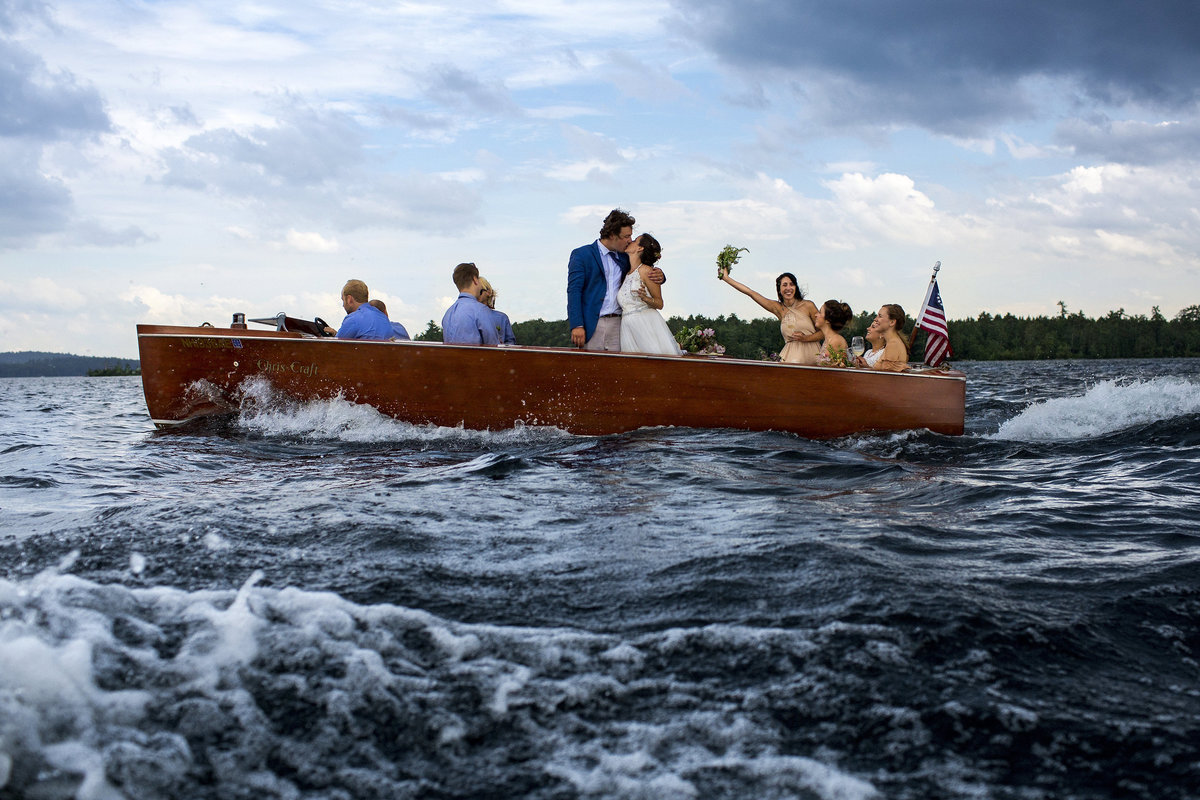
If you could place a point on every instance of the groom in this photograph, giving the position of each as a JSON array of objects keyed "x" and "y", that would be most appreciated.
[{"x": 594, "y": 276}]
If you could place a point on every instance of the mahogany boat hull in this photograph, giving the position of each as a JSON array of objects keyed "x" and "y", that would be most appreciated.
[{"x": 189, "y": 372}]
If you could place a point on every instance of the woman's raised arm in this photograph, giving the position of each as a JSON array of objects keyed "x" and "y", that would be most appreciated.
[{"x": 774, "y": 306}]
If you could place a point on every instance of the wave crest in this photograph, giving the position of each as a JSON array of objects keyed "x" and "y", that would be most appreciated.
[
  {"x": 1107, "y": 407},
  {"x": 265, "y": 411}
]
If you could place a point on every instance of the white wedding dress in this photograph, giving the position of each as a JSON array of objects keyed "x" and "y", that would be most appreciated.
[{"x": 643, "y": 330}]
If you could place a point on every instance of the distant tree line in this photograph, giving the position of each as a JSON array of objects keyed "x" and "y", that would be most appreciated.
[
  {"x": 30, "y": 364},
  {"x": 1115, "y": 335},
  {"x": 114, "y": 370}
]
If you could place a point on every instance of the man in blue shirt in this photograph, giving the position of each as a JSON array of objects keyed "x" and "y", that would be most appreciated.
[
  {"x": 399, "y": 332},
  {"x": 363, "y": 320},
  {"x": 468, "y": 321}
]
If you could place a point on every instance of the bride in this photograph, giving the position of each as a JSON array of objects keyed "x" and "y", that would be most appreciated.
[{"x": 643, "y": 330}]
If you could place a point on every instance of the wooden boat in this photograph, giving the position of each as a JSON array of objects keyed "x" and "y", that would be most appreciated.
[{"x": 189, "y": 372}]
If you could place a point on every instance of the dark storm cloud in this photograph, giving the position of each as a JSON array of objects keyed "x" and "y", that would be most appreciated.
[
  {"x": 1131, "y": 142},
  {"x": 37, "y": 103},
  {"x": 954, "y": 66},
  {"x": 37, "y": 107},
  {"x": 31, "y": 204}
]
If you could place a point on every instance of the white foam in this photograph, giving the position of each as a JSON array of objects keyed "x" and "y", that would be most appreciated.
[
  {"x": 1105, "y": 408},
  {"x": 267, "y": 412},
  {"x": 822, "y": 779},
  {"x": 233, "y": 639},
  {"x": 49, "y": 701},
  {"x": 454, "y": 646},
  {"x": 623, "y": 653},
  {"x": 76, "y": 757},
  {"x": 511, "y": 683},
  {"x": 215, "y": 542},
  {"x": 58, "y": 630}
]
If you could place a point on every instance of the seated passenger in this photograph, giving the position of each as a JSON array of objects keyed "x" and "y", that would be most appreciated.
[
  {"x": 468, "y": 321},
  {"x": 831, "y": 318},
  {"x": 398, "y": 331},
  {"x": 890, "y": 321},
  {"x": 503, "y": 327},
  {"x": 875, "y": 352},
  {"x": 363, "y": 320}
]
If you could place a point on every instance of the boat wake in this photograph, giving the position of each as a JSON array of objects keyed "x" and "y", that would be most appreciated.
[
  {"x": 1105, "y": 408},
  {"x": 267, "y": 412},
  {"x": 110, "y": 692}
]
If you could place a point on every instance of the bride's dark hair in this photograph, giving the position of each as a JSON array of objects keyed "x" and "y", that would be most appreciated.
[{"x": 651, "y": 249}]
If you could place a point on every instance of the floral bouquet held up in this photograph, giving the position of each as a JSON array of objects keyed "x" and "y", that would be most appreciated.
[
  {"x": 728, "y": 257},
  {"x": 699, "y": 340}
]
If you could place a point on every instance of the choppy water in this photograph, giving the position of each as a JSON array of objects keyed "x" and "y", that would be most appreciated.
[{"x": 317, "y": 602}]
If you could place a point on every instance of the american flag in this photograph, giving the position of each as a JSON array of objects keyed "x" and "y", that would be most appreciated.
[{"x": 932, "y": 320}]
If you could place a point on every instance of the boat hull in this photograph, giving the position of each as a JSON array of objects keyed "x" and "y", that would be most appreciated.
[{"x": 189, "y": 372}]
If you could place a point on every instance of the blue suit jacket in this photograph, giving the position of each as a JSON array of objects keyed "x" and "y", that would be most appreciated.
[{"x": 586, "y": 286}]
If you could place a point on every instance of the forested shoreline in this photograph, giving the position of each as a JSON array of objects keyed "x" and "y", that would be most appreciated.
[
  {"x": 36, "y": 364},
  {"x": 986, "y": 337}
]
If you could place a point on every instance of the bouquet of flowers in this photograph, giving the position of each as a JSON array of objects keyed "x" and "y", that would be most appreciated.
[
  {"x": 834, "y": 358},
  {"x": 699, "y": 340},
  {"x": 728, "y": 257}
]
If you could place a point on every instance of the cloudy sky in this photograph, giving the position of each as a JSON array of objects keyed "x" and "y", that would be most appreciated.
[{"x": 176, "y": 162}]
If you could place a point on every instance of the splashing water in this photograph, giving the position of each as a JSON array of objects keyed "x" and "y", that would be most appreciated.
[
  {"x": 1107, "y": 407},
  {"x": 265, "y": 411}
]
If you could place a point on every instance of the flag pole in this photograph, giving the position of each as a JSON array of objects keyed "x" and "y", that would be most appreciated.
[{"x": 937, "y": 265}]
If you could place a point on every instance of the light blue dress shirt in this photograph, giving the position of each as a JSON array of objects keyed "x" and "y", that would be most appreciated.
[
  {"x": 469, "y": 321},
  {"x": 612, "y": 276},
  {"x": 366, "y": 322},
  {"x": 504, "y": 327}
]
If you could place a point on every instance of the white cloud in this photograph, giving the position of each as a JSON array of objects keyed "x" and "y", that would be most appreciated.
[
  {"x": 41, "y": 292},
  {"x": 158, "y": 307},
  {"x": 580, "y": 170},
  {"x": 1134, "y": 247},
  {"x": 890, "y": 206},
  {"x": 309, "y": 242}
]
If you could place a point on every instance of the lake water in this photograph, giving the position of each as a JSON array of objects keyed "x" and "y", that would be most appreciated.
[{"x": 318, "y": 602}]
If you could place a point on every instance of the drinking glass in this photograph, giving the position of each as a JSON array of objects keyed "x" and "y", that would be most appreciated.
[{"x": 858, "y": 346}]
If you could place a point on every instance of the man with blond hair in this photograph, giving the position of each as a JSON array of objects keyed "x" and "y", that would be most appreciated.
[
  {"x": 363, "y": 320},
  {"x": 468, "y": 321}
]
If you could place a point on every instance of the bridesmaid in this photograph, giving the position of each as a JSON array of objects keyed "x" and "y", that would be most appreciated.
[
  {"x": 832, "y": 317},
  {"x": 875, "y": 352},
  {"x": 895, "y": 345},
  {"x": 796, "y": 317}
]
